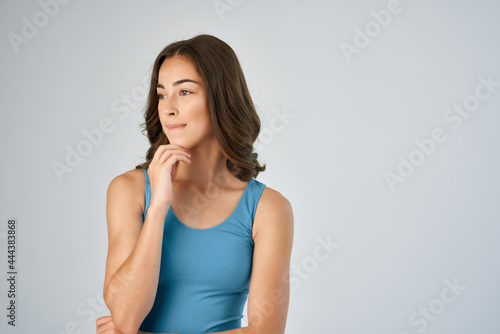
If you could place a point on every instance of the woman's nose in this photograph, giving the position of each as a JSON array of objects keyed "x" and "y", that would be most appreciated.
[{"x": 169, "y": 108}]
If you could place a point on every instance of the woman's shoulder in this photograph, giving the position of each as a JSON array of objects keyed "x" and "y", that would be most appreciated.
[
  {"x": 272, "y": 199},
  {"x": 131, "y": 178},
  {"x": 130, "y": 184},
  {"x": 273, "y": 208}
]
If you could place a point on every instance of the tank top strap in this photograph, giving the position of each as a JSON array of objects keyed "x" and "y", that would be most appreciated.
[
  {"x": 240, "y": 222},
  {"x": 251, "y": 199},
  {"x": 148, "y": 194}
]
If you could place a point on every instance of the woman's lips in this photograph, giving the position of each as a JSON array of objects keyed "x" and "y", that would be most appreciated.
[{"x": 175, "y": 127}]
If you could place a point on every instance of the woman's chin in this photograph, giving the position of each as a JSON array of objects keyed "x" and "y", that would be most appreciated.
[{"x": 177, "y": 142}]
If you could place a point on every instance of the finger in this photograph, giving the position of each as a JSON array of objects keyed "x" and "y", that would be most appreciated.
[
  {"x": 108, "y": 327},
  {"x": 163, "y": 151},
  {"x": 174, "y": 145},
  {"x": 158, "y": 153},
  {"x": 101, "y": 328},
  {"x": 167, "y": 154},
  {"x": 103, "y": 320},
  {"x": 175, "y": 158},
  {"x": 162, "y": 148},
  {"x": 174, "y": 168},
  {"x": 175, "y": 165},
  {"x": 171, "y": 147}
]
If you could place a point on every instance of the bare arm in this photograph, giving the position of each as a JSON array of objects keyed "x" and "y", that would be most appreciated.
[
  {"x": 134, "y": 255},
  {"x": 269, "y": 292},
  {"x": 134, "y": 249}
]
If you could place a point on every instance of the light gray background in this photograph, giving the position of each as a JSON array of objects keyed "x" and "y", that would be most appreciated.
[{"x": 348, "y": 123}]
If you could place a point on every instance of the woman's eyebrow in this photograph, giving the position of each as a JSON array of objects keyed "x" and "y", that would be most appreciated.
[{"x": 176, "y": 83}]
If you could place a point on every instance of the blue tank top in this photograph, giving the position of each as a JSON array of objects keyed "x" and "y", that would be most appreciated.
[{"x": 204, "y": 273}]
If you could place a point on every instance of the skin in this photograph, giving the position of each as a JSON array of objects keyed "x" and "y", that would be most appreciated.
[{"x": 191, "y": 167}]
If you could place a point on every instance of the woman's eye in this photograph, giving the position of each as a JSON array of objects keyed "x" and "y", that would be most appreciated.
[
  {"x": 185, "y": 92},
  {"x": 161, "y": 96}
]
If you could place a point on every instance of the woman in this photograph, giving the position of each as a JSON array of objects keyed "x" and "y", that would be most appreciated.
[{"x": 191, "y": 232}]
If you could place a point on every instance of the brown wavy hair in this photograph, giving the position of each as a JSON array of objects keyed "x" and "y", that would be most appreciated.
[{"x": 233, "y": 117}]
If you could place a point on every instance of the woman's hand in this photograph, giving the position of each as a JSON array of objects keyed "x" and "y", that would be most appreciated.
[
  {"x": 104, "y": 325},
  {"x": 161, "y": 171}
]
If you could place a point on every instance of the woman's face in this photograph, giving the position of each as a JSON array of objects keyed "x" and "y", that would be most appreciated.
[{"x": 182, "y": 104}]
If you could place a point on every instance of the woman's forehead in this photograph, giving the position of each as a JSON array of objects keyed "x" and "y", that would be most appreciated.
[{"x": 177, "y": 63}]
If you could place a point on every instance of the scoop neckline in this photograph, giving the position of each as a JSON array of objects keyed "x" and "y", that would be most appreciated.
[{"x": 240, "y": 201}]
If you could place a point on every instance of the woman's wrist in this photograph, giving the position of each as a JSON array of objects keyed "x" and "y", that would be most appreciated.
[{"x": 159, "y": 209}]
